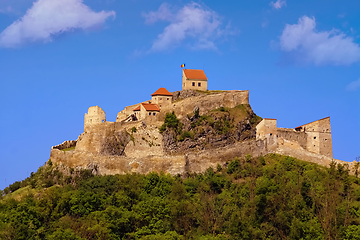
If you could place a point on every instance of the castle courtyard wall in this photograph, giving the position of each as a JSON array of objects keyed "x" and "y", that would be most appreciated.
[{"x": 293, "y": 136}]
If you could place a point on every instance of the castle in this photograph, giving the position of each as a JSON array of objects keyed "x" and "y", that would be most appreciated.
[
  {"x": 148, "y": 111},
  {"x": 106, "y": 146}
]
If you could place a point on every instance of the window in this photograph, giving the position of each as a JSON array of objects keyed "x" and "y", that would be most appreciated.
[
  {"x": 153, "y": 114},
  {"x": 160, "y": 98},
  {"x": 314, "y": 137},
  {"x": 167, "y": 99},
  {"x": 193, "y": 84},
  {"x": 149, "y": 114},
  {"x": 199, "y": 84}
]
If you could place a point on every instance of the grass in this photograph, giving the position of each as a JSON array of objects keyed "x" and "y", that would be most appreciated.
[
  {"x": 20, "y": 193},
  {"x": 68, "y": 149},
  {"x": 211, "y": 91}
]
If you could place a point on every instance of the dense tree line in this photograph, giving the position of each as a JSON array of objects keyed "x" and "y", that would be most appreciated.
[{"x": 271, "y": 197}]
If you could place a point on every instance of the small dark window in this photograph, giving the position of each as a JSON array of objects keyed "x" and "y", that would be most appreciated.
[
  {"x": 270, "y": 134},
  {"x": 153, "y": 114},
  {"x": 167, "y": 99},
  {"x": 149, "y": 114},
  {"x": 193, "y": 84},
  {"x": 199, "y": 84},
  {"x": 160, "y": 98},
  {"x": 314, "y": 137}
]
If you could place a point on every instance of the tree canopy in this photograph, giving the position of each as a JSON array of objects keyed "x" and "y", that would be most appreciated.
[{"x": 271, "y": 197}]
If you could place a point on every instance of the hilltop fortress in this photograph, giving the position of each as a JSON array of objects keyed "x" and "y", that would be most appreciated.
[{"x": 214, "y": 128}]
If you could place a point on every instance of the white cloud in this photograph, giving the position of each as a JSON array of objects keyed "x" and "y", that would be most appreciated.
[
  {"x": 193, "y": 21},
  {"x": 353, "y": 86},
  {"x": 7, "y": 9},
  {"x": 278, "y": 4},
  {"x": 332, "y": 47},
  {"x": 48, "y": 18}
]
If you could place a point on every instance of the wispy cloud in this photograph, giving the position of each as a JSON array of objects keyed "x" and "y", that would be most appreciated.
[
  {"x": 278, "y": 4},
  {"x": 194, "y": 22},
  {"x": 353, "y": 86},
  {"x": 48, "y": 18},
  {"x": 321, "y": 48},
  {"x": 7, "y": 9}
]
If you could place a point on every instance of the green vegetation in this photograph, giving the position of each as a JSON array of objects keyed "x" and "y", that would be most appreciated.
[
  {"x": 68, "y": 149},
  {"x": 133, "y": 129},
  {"x": 211, "y": 91},
  {"x": 271, "y": 197},
  {"x": 172, "y": 122}
]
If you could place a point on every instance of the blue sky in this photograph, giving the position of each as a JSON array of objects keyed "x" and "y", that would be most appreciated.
[{"x": 299, "y": 59}]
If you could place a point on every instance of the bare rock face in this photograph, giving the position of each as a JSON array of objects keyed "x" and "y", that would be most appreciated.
[
  {"x": 103, "y": 140},
  {"x": 178, "y": 95},
  {"x": 115, "y": 143},
  {"x": 169, "y": 140},
  {"x": 216, "y": 129}
]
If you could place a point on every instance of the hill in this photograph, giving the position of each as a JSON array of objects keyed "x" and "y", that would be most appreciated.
[{"x": 270, "y": 197}]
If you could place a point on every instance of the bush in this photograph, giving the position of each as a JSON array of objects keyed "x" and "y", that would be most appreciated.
[
  {"x": 15, "y": 186},
  {"x": 233, "y": 166},
  {"x": 133, "y": 129},
  {"x": 171, "y": 121},
  {"x": 186, "y": 134},
  {"x": 262, "y": 160}
]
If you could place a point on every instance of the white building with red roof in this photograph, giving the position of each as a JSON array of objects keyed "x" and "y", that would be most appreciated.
[
  {"x": 194, "y": 79},
  {"x": 161, "y": 97}
]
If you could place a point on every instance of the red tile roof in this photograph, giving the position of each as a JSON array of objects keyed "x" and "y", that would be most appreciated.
[
  {"x": 162, "y": 91},
  {"x": 195, "y": 74},
  {"x": 151, "y": 107},
  {"x": 148, "y": 107}
]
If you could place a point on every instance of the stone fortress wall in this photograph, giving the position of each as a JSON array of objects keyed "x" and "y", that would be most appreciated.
[{"x": 314, "y": 137}]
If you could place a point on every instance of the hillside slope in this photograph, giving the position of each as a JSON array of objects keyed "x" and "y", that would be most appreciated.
[{"x": 271, "y": 197}]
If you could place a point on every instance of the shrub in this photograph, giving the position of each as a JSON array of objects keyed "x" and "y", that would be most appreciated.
[
  {"x": 133, "y": 129},
  {"x": 262, "y": 160},
  {"x": 171, "y": 121},
  {"x": 186, "y": 134},
  {"x": 233, "y": 166},
  {"x": 15, "y": 186}
]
